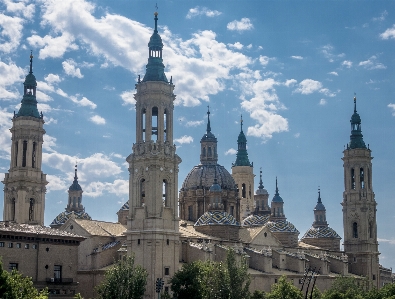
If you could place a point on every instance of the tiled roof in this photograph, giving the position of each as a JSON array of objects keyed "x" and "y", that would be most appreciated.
[
  {"x": 256, "y": 220},
  {"x": 189, "y": 231},
  {"x": 35, "y": 230},
  {"x": 281, "y": 226},
  {"x": 64, "y": 216},
  {"x": 321, "y": 232},
  {"x": 216, "y": 218},
  {"x": 101, "y": 228}
]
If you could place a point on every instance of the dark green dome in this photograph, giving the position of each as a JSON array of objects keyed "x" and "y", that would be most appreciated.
[
  {"x": 155, "y": 40},
  {"x": 30, "y": 80},
  {"x": 356, "y": 137}
]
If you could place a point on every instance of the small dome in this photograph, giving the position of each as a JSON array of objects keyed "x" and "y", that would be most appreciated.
[
  {"x": 155, "y": 41},
  {"x": 277, "y": 198},
  {"x": 202, "y": 176},
  {"x": 355, "y": 118},
  {"x": 64, "y": 216},
  {"x": 319, "y": 207},
  {"x": 215, "y": 187},
  {"x": 216, "y": 218},
  {"x": 75, "y": 186},
  {"x": 256, "y": 220},
  {"x": 321, "y": 232},
  {"x": 281, "y": 226},
  {"x": 30, "y": 80},
  {"x": 262, "y": 191}
]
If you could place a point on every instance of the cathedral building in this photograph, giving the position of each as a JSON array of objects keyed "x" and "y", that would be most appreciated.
[{"x": 165, "y": 227}]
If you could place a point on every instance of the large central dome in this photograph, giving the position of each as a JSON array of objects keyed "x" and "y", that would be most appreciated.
[{"x": 202, "y": 177}]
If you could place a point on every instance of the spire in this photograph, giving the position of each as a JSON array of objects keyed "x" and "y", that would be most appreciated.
[
  {"x": 155, "y": 69},
  {"x": 242, "y": 154},
  {"x": 29, "y": 102},
  {"x": 208, "y": 145},
  {"x": 319, "y": 212},
  {"x": 75, "y": 186},
  {"x": 277, "y": 197},
  {"x": 260, "y": 180},
  {"x": 319, "y": 206},
  {"x": 208, "y": 120},
  {"x": 356, "y": 137}
]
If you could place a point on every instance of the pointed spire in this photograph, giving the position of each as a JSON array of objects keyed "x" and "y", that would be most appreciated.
[
  {"x": 31, "y": 62},
  {"x": 260, "y": 180},
  {"x": 241, "y": 122},
  {"x": 277, "y": 187},
  {"x": 242, "y": 154},
  {"x": 277, "y": 197},
  {"x": 75, "y": 186},
  {"x": 319, "y": 195},
  {"x": 319, "y": 206},
  {"x": 208, "y": 120},
  {"x": 356, "y": 137}
]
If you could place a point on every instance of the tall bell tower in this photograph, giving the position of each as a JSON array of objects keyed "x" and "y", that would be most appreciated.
[
  {"x": 153, "y": 234},
  {"x": 359, "y": 206},
  {"x": 24, "y": 184}
]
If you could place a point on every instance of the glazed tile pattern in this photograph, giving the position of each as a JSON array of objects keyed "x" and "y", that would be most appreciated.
[
  {"x": 202, "y": 176},
  {"x": 256, "y": 220},
  {"x": 216, "y": 218},
  {"x": 321, "y": 232},
  {"x": 282, "y": 226},
  {"x": 64, "y": 216},
  {"x": 125, "y": 207}
]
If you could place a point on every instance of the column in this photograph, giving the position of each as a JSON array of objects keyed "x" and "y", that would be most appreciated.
[
  {"x": 20, "y": 152},
  {"x": 29, "y": 153}
]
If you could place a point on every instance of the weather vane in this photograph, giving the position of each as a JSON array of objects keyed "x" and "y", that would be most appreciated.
[{"x": 156, "y": 6}]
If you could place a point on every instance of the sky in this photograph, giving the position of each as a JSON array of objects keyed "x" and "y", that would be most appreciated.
[{"x": 290, "y": 68}]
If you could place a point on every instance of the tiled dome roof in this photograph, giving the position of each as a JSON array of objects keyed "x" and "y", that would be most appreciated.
[
  {"x": 125, "y": 207},
  {"x": 64, "y": 216},
  {"x": 202, "y": 176},
  {"x": 256, "y": 220},
  {"x": 282, "y": 226},
  {"x": 216, "y": 218},
  {"x": 321, "y": 232}
]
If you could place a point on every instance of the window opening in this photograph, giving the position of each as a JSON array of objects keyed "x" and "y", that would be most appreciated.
[
  {"x": 165, "y": 125},
  {"x": 143, "y": 125},
  {"x": 204, "y": 152},
  {"x": 164, "y": 193},
  {"x": 57, "y": 273},
  {"x": 13, "y": 209},
  {"x": 355, "y": 230},
  {"x": 24, "y": 153},
  {"x": 34, "y": 155},
  {"x": 209, "y": 151},
  {"x": 362, "y": 178},
  {"x": 232, "y": 210},
  {"x": 190, "y": 213},
  {"x": 13, "y": 266},
  {"x": 142, "y": 192},
  {"x": 10, "y": 245},
  {"x": 243, "y": 190},
  {"x": 167, "y": 241},
  {"x": 155, "y": 122},
  {"x": 16, "y": 153},
  {"x": 167, "y": 271},
  {"x": 1, "y": 244},
  {"x": 370, "y": 230},
  {"x": 31, "y": 209},
  {"x": 352, "y": 178}
]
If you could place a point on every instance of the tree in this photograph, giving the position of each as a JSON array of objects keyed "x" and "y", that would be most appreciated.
[
  {"x": 187, "y": 282},
  {"x": 239, "y": 280},
  {"x": 258, "y": 295},
  {"x": 284, "y": 290},
  {"x": 15, "y": 286},
  {"x": 123, "y": 281},
  {"x": 345, "y": 288}
]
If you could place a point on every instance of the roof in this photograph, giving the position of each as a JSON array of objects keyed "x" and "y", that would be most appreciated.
[
  {"x": 37, "y": 230},
  {"x": 216, "y": 218},
  {"x": 281, "y": 226},
  {"x": 321, "y": 232},
  {"x": 101, "y": 228},
  {"x": 256, "y": 220},
  {"x": 189, "y": 231},
  {"x": 64, "y": 216}
]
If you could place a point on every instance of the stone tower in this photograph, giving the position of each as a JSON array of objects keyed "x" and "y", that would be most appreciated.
[
  {"x": 24, "y": 184},
  {"x": 242, "y": 173},
  {"x": 261, "y": 199},
  {"x": 359, "y": 206},
  {"x": 152, "y": 234}
]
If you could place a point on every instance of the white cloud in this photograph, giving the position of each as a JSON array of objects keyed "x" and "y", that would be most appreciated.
[
  {"x": 382, "y": 16},
  {"x": 9, "y": 75},
  {"x": 97, "y": 120},
  {"x": 55, "y": 183},
  {"x": 194, "y": 123},
  {"x": 69, "y": 67},
  {"x": 42, "y": 97},
  {"x": 184, "y": 139},
  {"x": 128, "y": 97},
  {"x": 333, "y": 73},
  {"x": 11, "y": 32},
  {"x": 231, "y": 151},
  {"x": 5, "y": 134},
  {"x": 264, "y": 60},
  {"x": 49, "y": 143},
  {"x": 236, "y": 45},
  {"x": 389, "y": 241},
  {"x": 290, "y": 82},
  {"x": 84, "y": 102},
  {"x": 322, "y": 102},
  {"x": 50, "y": 121},
  {"x": 372, "y": 64},
  {"x": 243, "y": 24},
  {"x": 392, "y": 107},
  {"x": 20, "y": 9},
  {"x": 308, "y": 86},
  {"x": 297, "y": 135},
  {"x": 198, "y": 11},
  {"x": 389, "y": 33},
  {"x": 347, "y": 63},
  {"x": 328, "y": 50},
  {"x": 297, "y": 57},
  {"x": 52, "y": 78},
  {"x": 97, "y": 188},
  {"x": 52, "y": 47}
]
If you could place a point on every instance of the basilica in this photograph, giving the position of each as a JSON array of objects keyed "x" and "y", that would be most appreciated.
[{"x": 165, "y": 225}]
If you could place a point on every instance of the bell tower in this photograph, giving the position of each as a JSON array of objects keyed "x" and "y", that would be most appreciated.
[
  {"x": 359, "y": 206},
  {"x": 153, "y": 234},
  {"x": 24, "y": 184},
  {"x": 242, "y": 173}
]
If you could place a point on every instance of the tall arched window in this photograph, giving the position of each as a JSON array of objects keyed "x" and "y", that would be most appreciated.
[
  {"x": 209, "y": 151},
  {"x": 204, "y": 152},
  {"x": 24, "y": 153},
  {"x": 165, "y": 194},
  {"x": 16, "y": 153},
  {"x": 154, "y": 123},
  {"x": 31, "y": 209},
  {"x": 13, "y": 209},
  {"x": 34, "y": 155},
  {"x": 352, "y": 178},
  {"x": 362, "y": 178},
  {"x": 142, "y": 192},
  {"x": 355, "y": 230},
  {"x": 243, "y": 190},
  {"x": 370, "y": 230},
  {"x": 165, "y": 125}
]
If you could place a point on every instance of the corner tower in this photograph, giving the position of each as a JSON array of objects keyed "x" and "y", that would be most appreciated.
[
  {"x": 152, "y": 234},
  {"x": 242, "y": 173},
  {"x": 24, "y": 184},
  {"x": 359, "y": 206}
]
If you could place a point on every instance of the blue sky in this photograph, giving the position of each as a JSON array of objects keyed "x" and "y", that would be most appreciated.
[{"x": 289, "y": 67}]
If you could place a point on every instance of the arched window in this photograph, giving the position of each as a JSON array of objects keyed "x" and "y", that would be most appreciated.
[
  {"x": 24, "y": 153},
  {"x": 144, "y": 123},
  {"x": 13, "y": 209},
  {"x": 370, "y": 230},
  {"x": 190, "y": 213},
  {"x": 142, "y": 192},
  {"x": 16, "y": 153},
  {"x": 165, "y": 194},
  {"x": 154, "y": 123},
  {"x": 362, "y": 178},
  {"x": 34, "y": 155},
  {"x": 355, "y": 230},
  {"x": 204, "y": 152},
  {"x": 243, "y": 190},
  {"x": 31, "y": 209},
  {"x": 232, "y": 210},
  {"x": 74, "y": 201},
  {"x": 209, "y": 151},
  {"x": 352, "y": 178},
  {"x": 165, "y": 125}
]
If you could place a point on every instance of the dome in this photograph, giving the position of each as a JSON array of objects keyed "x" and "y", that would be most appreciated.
[
  {"x": 30, "y": 80},
  {"x": 215, "y": 187},
  {"x": 277, "y": 198},
  {"x": 155, "y": 41},
  {"x": 321, "y": 232},
  {"x": 75, "y": 186},
  {"x": 202, "y": 176},
  {"x": 64, "y": 216},
  {"x": 256, "y": 220},
  {"x": 262, "y": 191},
  {"x": 281, "y": 226},
  {"x": 355, "y": 118},
  {"x": 319, "y": 207},
  {"x": 125, "y": 207},
  {"x": 216, "y": 218}
]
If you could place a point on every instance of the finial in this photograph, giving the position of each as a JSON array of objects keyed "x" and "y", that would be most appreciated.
[
  {"x": 156, "y": 19},
  {"x": 31, "y": 61},
  {"x": 355, "y": 102},
  {"x": 138, "y": 80},
  {"x": 208, "y": 120},
  {"x": 260, "y": 179},
  {"x": 75, "y": 171},
  {"x": 319, "y": 194},
  {"x": 241, "y": 122},
  {"x": 276, "y": 187},
  {"x": 171, "y": 79}
]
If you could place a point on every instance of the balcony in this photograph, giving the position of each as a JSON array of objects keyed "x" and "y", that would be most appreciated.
[{"x": 51, "y": 280}]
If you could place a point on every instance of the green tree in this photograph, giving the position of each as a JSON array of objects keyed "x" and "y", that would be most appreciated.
[
  {"x": 15, "y": 286},
  {"x": 239, "y": 280},
  {"x": 345, "y": 288},
  {"x": 123, "y": 281},
  {"x": 258, "y": 295},
  {"x": 283, "y": 289},
  {"x": 78, "y": 296},
  {"x": 187, "y": 282}
]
